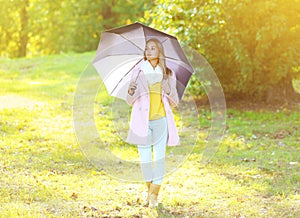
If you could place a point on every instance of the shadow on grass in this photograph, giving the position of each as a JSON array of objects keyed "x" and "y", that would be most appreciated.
[{"x": 163, "y": 212}]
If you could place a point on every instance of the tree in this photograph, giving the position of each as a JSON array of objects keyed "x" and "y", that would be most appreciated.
[
  {"x": 93, "y": 17},
  {"x": 30, "y": 27},
  {"x": 33, "y": 27},
  {"x": 252, "y": 45},
  {"x": 14, "y": 27},
  {"x": 262, "y": 39}
]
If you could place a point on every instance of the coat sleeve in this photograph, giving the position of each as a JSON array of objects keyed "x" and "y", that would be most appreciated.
[
  {"x": 173, "y": 95},
  {"x": 130, "y": 99}
]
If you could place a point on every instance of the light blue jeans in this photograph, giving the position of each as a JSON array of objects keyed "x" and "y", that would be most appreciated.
[{"x": 157, "y": 139}]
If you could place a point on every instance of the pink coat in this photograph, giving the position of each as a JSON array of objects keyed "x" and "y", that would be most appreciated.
[{"x": 138, "y": 132}]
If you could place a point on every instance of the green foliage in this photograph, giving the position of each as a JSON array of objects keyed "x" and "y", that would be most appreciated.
[
  {"x": 262, "y": 43},
  {"x": 30, "y": 28},
  {"x": 252, "y": 45},
  {"x": 90, "y": 18},
  {"x": 11, "y": 26}
]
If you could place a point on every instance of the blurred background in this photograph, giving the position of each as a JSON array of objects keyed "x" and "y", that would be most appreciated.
[
  {"x": 46, "y": 47},
  {"x": 253, "y": 46}
]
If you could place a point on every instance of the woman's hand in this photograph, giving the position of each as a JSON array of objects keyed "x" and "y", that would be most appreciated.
[
  {"x": 166, "y": 86},
  {"x": 132, "y": 88}
]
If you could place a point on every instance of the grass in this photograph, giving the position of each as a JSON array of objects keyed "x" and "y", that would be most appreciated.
[{"x": 44, "y": 172}]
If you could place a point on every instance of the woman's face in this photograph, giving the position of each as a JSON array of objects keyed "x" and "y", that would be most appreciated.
[{"x": 151, "y": 51}]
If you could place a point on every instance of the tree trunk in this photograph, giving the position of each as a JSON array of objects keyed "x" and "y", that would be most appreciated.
[
  {"x": 108, "y": 15},
  {"x": 24, "y": 30},
  {"x": 283, "y": 92}
]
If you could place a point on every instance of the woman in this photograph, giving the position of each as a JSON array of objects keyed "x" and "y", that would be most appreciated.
[{"x": 152, "y": 91}]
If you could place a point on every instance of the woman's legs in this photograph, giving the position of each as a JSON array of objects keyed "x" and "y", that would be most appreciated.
[
  {"x": 157, "y": 136},
  {"x": 145, "y": 153},
  {"x": 160, "y": 136}
]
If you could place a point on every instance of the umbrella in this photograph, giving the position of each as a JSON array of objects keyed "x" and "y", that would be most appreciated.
[{"x": 121, "y": 49}]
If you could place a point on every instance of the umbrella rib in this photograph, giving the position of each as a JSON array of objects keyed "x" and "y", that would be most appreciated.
[
  {"x": 145, "y": 37},
  {"x": 181, "y": 61},
  {"x": 175, "y": 59},
  {"x": 131, "y": 42},
  {"x": 113, "y": 55},
  {"x": 125, "y": 76},
  {"x": 164, "y": 40}
]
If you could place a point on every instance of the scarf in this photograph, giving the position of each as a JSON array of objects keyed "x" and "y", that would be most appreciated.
[{"x": 152, "y": 75}]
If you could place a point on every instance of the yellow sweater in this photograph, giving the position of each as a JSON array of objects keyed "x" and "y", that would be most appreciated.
[{"x": 157, "y": 109}]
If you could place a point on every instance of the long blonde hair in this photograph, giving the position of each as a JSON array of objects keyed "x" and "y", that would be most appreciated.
[{"x": 161, "y": 58}]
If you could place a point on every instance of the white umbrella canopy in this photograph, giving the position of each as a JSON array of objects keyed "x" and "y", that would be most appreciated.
[{"x": 121, "y": 49}]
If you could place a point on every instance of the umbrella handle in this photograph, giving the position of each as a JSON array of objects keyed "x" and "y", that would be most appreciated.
[{"x": 137, "y": 76}]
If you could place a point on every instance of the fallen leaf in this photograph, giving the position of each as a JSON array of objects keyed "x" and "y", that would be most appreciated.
[
  {"x": 94, "y": 209},
  {"x": 241, "y": 200},
  {"x": 85, "y": 209},
  {"x": 74, "y": 195}
]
